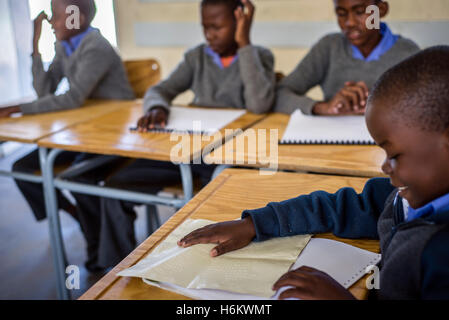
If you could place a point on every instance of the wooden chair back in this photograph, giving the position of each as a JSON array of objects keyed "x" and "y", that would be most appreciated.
[{"x": 142, "y": 74}]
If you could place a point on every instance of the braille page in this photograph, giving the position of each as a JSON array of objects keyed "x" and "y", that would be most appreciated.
[
  {"x": 249, "y": 271},
  {"x": 304, "y": 129}
]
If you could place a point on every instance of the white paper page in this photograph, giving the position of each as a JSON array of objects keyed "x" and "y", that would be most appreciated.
[
  {"x": 250, "y": 270},
  {"x": 345, "y": 263},
  {"x": 304, "y": 129},
  {"x": 200, "y": 120}
]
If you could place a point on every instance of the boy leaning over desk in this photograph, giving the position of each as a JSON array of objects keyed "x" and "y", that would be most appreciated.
[{"x": 408, "y": 116}]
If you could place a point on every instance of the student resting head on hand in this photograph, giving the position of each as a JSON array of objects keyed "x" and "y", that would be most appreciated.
[{"x": 408, "y": 116}]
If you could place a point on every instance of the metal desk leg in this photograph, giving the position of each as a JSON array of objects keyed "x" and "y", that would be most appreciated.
[
  {"x": 219, "y": 169},
  {"x": 187, "y": 181},
  {"x": 51, "y": 204}
]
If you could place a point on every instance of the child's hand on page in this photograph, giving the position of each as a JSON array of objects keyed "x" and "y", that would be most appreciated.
[
  {"x": 311, "y": 284},
  {"x": 229, "y": 236},
  {"x": 244, "y": 19},
  {"x": 156, "y": 117}
]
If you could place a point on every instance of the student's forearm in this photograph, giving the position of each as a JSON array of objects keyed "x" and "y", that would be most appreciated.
[
  {"x": 259, "y": 79},
  {"x": 345, "y": 213},
  {"x": 156, "y": 97},
  {"x": 50, "y": 103},
  {"x": 45, "y": 82},
  {"x": 287, "y": 102}
]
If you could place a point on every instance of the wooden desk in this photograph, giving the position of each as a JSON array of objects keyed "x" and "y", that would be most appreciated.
[
  {"x": 224, "y": 199},
  {"x": 110, "y": 134},
  {"x": 349, "y": 160},
  {"x": 31, "y": 128}
]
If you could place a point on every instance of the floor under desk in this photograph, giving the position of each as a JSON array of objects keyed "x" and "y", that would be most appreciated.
[{"x": 27, "y": 270}]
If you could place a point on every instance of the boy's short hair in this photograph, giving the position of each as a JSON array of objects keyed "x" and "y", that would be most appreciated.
[
  {"x": 418, "y": 89},
  {"x": 231, "y": 4},
  {"x": 87, "y": 7}
]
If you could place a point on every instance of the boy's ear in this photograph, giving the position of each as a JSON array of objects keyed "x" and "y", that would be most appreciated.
[
  {"x": 83, "y": 20},
  {"x": 446, "y": 137},
  {"x": 384, "y": 7}
]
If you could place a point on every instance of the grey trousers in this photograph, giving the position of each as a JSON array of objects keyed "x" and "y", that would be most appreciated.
[
  {"x": 116, "y": 232},
  {"x": 88, "y": 212}
]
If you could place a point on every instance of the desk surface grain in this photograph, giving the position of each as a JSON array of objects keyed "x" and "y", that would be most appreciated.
[
  {"x": 110, "y": 134},
  {"x": 31, "y": 128},
  {"x": 349, "y": 160}
]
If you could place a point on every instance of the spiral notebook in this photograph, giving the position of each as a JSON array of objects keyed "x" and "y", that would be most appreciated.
[
  {"x": 304, "y": 129},
  {"x": 198, "y": 120}
]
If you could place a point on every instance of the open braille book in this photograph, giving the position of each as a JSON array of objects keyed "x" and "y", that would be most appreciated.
[{"x": 248, "y": 273}]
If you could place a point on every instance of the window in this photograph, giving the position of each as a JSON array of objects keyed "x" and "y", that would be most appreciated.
[
  {"x": 16, "y": 32},
  {"x": 104, "y": 20}
]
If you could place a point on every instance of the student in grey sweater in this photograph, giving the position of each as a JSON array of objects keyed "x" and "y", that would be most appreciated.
[
  {"x": 227, "y": 72},
  {"x": 408, "y": 213},
  {"x": 345, "y": 65},
  {"x": 93, "y": 69},
  {"x": 247, "y": 82},
  {"x": 91, "y": 65}
]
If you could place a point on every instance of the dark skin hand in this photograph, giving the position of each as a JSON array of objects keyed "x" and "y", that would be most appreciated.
[
  {"x": 229, "y": 236},
  {"x": 8, "y": 111},
  {"x": 350, "y": 100},
  {"x": 311, "y": 284},
  {"x": 155, "y": 118},
  {"x": 244, "y": 20}
]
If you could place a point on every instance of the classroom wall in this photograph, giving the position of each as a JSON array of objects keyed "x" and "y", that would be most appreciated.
[{"x": 166, "y": 28}]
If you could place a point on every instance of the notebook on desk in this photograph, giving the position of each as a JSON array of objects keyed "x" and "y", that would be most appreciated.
[
  {"x": 198, "y": 120},
  {"x": 251, "y": 271},
  {"x": 304, "y": 129}
]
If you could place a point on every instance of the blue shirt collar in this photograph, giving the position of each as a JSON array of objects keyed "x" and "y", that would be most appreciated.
[
  {"x": 216, "y": 57},
  {"x": 73, "y": 43},
  {"x": 388, "y": 41},
  {"x": 436, "y": 206}
]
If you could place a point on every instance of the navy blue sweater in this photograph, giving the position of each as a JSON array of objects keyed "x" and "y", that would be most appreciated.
[{"x": 415, "y": 258}]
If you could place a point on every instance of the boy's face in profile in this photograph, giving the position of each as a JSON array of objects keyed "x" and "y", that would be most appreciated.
[
  {"x": 352, "y": 16},
  {"x": 58, "y": 21},
  {"x": 416, "y": 160},
  {"x": 219, "y": 26}
]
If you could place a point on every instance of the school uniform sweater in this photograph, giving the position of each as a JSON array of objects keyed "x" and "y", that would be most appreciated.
[
  {"x": 329, "y": 64},
  {"x": 94, "y": 71},
  {"x": 415, "y": 259},
  {"x": 249, "y": 82}
]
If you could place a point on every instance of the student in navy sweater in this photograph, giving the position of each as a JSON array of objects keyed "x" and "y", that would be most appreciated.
[{"x": 408, "y": 116}]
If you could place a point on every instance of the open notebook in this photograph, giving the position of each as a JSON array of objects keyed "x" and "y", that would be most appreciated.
[
  {"x": 199, "y": 120},
  {"x": 248, "y": 273},
  {"x": 304, "y": 129}
]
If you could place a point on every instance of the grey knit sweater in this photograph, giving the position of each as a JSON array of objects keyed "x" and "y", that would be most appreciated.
[
  {"x": 94, "y": 71},
  {"x": 248, "y": 83},
  {"x": 330, "y": 64}
]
